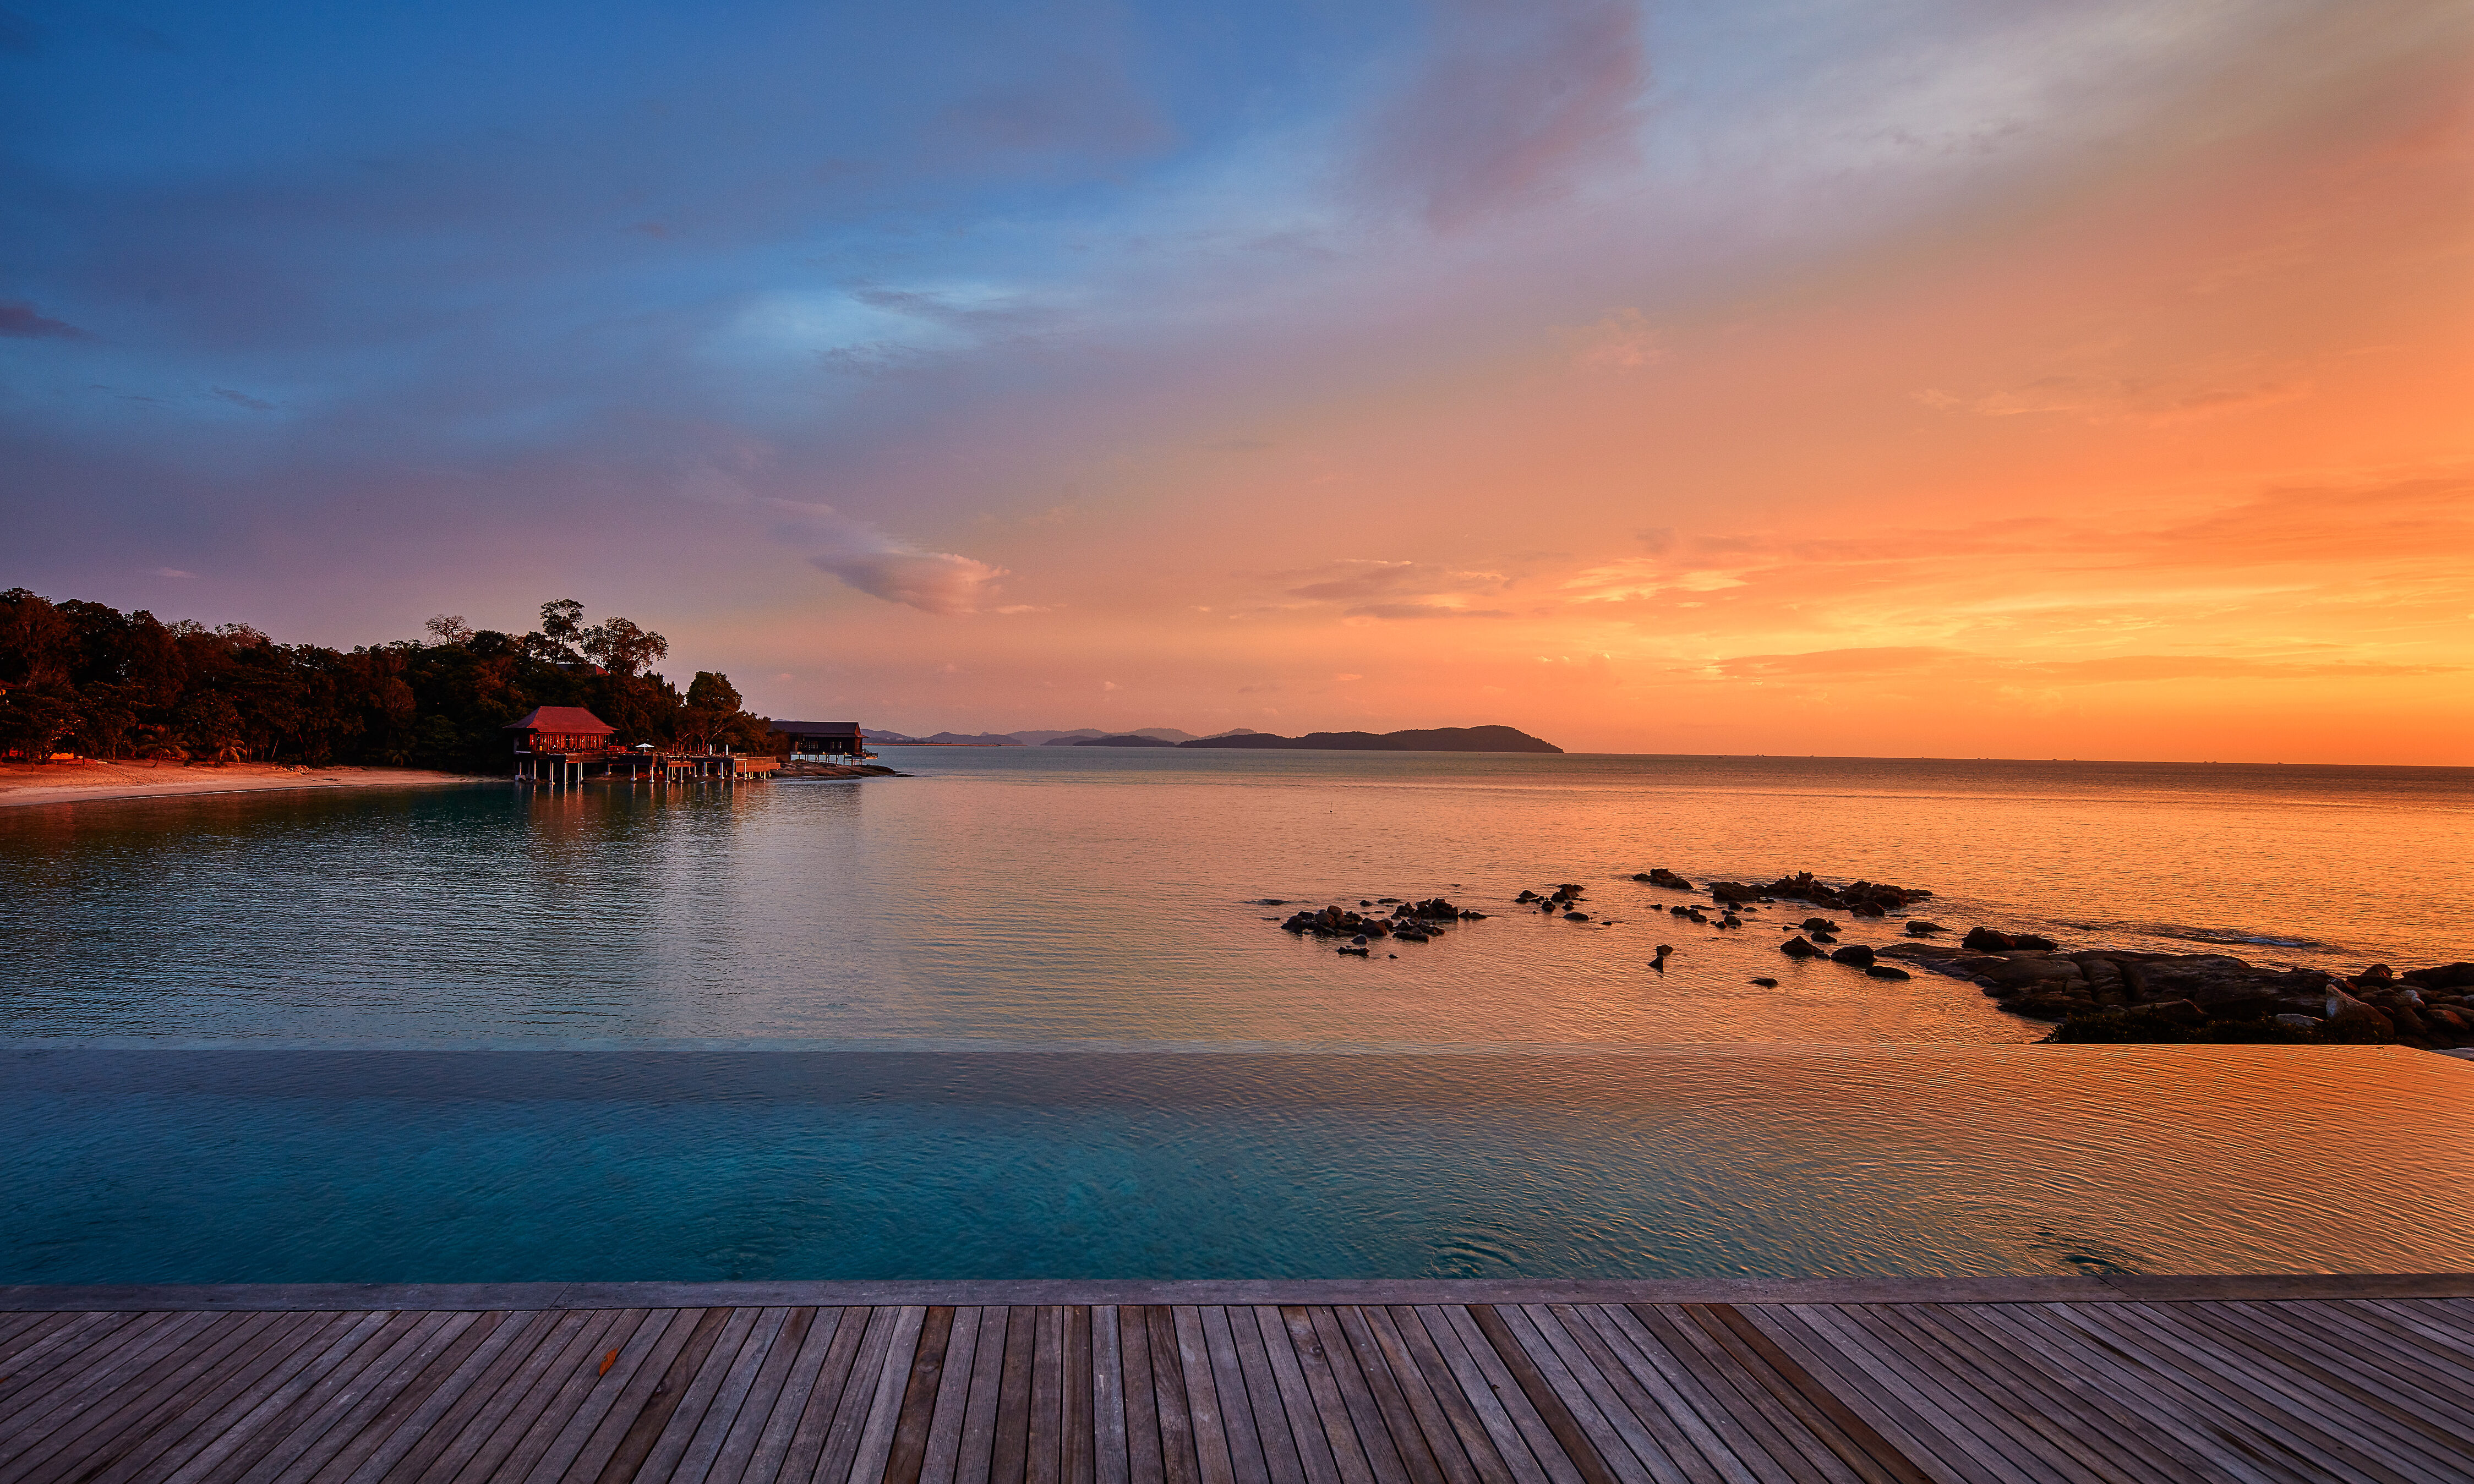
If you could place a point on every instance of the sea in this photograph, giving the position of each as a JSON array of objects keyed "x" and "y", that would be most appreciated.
[{"x": 1030, "y": 1013}]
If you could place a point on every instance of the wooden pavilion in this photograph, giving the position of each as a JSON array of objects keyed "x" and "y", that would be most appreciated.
[
  {"x": 564, "y": 744},
  {"x": 823, "y": 739}
]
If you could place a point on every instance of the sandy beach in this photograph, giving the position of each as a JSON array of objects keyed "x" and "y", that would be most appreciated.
[{"x": 78, "y": 783}]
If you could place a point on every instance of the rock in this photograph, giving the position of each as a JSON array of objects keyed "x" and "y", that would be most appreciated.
[
  {"x": 1797, "y": 948},
  {"x": 1767, "y": 984},
  {"x": 1918, "y": 927},
  {"x": 2377, "y": 973},
  {"x": 2446, "y": 976},
  {"x": 1410, "y": 935},
  {"x": 1818, "y": 925},
  {"x": 1360, "y": 953},
  {"x": 1986, "y": 940},
  {"x": 1576, "y": 916},
  {"x": 1824, "y": 937},
  {"x": 2355, "y": 1023},
  {"x": 2031, "y": 941},
  {"x": 2176, "y": 1012},
  {"x": 2407, "y": 1020},
  {"x": 1884, "y": 971},
  {"x": 1733, "y": 893},
  {"x": 2449, "y": 1018},
  {"x": 1855, "y": 953},
  {"x": 1662, "y": 876},
  {"x": 2296, "y": 1023}
]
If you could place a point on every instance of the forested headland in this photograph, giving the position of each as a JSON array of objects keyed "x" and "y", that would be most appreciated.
[{"x": 85, "y": 678}]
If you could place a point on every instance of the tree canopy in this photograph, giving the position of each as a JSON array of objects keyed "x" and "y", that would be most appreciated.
[{"x": 85, "y": 678}]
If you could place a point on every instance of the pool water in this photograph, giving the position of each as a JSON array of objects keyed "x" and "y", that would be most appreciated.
[{"x": 321, "y": 1166}]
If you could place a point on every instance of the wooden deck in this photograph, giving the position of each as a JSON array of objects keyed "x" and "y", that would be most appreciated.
[{"x": 2368, "y": 1380}]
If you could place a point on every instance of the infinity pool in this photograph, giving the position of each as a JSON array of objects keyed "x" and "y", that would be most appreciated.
[{"x": 317, "y": 1165}]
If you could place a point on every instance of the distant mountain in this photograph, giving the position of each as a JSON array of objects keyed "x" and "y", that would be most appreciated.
[
  {"x": 874, "y": 735},
  {"x": 1129, "y": 739},
  {"x": 1082, "y": 733},
  {"x": 1435, "y": 739},
  {"x": 979, "y": 740}
]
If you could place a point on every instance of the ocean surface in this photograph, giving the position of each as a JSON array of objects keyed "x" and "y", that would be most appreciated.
[{"x": 1028, "y": 1012}]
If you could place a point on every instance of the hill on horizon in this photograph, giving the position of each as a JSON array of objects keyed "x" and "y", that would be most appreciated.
[{"x": 1431, "y": 739}]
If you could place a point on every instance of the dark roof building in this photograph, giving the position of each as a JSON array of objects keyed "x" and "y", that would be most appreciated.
[
  {"x": 831, "y": 738},
  {"x": 559, "y": 728}
]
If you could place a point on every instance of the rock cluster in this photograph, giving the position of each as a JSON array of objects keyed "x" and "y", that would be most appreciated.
[
  {"x": 1659, "y": 875},
  {"x": 2115, "y": 994},
  {"x": 1859, "y": 898},
  {"x": 1410, "y": 921}
]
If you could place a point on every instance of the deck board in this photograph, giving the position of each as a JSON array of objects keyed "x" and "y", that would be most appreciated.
[{"x": 2133, "y": 1383}]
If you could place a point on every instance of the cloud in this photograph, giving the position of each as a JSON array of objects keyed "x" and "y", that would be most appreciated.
[
  {"x": 884, "y": 566},
  {"x": 241, "y": 400},
  {"x": 2160, "y": 402},
  {"x": 171, "y": 571},
  {"x": 19, "y": 319},
  {"x": 1622, "y": 341},
  {"x": 1420, "y": 610},
  {"x": 1512, "y": 105},
  {"x": 1399, "y": 589}
]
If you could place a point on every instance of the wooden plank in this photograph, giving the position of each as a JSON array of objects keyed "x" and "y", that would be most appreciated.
[
  {"x": 1143, "y": 1462},
  {"x": 2395, "y": 1348},
  {"x": 53, "y": 1369},
  {"x": 1108, "y": 1460},
  {"x": 2446, "y": 1328},
  {"x": 357, "y": 1404},
  {"x": 2124, "y": 1379},
  {"x": 2212, "y": 1379},
  {"x": 1456, "y": 1321},
  {"x": 1044, "y": 1453},
  {"x": 2391, "y": 1408},
  {"x": 737, "y": 1373},
  {"x": 1571, "y": 1439},
  {"x": 2413, "y": 1326},
  {"x": 263, "y": 1410},
  {"x": 1297, "y": 1402},
  {"x": 1080, "y": 1465},
  {"x": 953, "y": 1398},
  {"x": 1450, "y": 1426},
  {"x": 223, "y": 1396},
  {"x": 859, "y": 1400},
  {"x": 738, "y": 1449},
  {"x": 2241, "y": 1388},
  {"x": 286, "y": 1436},
  {"x": 1491, "y": 1399},
  {"x": 1703, "y": 1366},
  {"x": 909, "y": 1455},
  {"x": 125, "y": 1406},
  {"x": 1009, "y": 1458},
  {"x": 1871, "y": 1457},
  {"x": 988, "y": 1392},
  {"x": 543, "y": 1439},
  {"x": 1883, "y": 1414},
  {"x": 417, "y": 1404},
  {"x": 1201, "y": 1396},
  {"x": 2105, "y": 1441},
  {"x": 1323, "y": 1344},
  {"x": 885, "y": 1409},
  {"x": 512, "y": 1414},
  {"x": 842, "y": 1382},
  {"x": 1647, "y": 1384},
  {"x": 509, "y": 1349},
  {"x": 1647, "y": 1433},
  {"x": 1422, "y": 1456},
  {"x": 661, "y": 1401},
  {"x": 2386, "y": 1373},
  {"x": 1178, "y": 1462},
  {"x": 1277, "y": 1435},
  {"x": 77, "y": 1382},
  {"x": 794, "y": 1438},
  {"x": 1958, "y": 1411},
  {"x": 705, "y": 1388},
  {"x": 1245, "y": 1460}
]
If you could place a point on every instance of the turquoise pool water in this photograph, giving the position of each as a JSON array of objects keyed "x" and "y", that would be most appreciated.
[{"x": 227, "y": 1166}]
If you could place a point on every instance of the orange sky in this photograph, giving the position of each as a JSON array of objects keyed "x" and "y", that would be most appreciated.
[
  {"x": 2168, "y": 458},
  {"x": 2085, "y": 381}
]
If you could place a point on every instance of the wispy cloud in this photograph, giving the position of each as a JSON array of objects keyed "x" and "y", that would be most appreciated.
[{"x": 884, "y": 566}]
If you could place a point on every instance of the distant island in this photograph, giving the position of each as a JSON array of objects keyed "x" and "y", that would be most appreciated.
[
  {"x": 1129, "y": 739},
  {"x": 1432, "y": 739}
]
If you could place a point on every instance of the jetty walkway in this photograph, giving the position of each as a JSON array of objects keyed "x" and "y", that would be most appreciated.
[{"x": 2128, "y": 1380}]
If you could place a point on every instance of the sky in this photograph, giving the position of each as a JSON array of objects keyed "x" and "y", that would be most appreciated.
[{"x": 2091, "y": 378}]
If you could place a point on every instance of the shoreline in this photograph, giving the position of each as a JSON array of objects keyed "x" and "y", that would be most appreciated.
[{"x": 24, "y": 785}]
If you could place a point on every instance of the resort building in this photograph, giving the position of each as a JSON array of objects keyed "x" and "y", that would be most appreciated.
[
  {"x": 823, "y": 739},
  {"x": 566, "y": 744}
]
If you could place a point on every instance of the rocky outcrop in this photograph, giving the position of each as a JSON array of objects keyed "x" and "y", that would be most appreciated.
[
  {"x": 1409, "y": 922},
  {"x": 2118, "y": 995}
]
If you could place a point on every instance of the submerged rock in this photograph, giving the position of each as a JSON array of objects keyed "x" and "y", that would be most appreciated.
[
  {"x": 1886, "y": 971},
  {"x": 1797, "y": 948},
  {"x": 1855, "y": 953}
]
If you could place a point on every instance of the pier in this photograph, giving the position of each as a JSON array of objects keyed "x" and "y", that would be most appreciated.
[{"x": 2127, "y": 1381}]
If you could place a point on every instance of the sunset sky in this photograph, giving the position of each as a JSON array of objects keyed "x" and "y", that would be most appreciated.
[{"x": 2085, "y": 379}]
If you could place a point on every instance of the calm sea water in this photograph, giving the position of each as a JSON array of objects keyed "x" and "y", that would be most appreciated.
[{"x": 1024, "y": 1014}]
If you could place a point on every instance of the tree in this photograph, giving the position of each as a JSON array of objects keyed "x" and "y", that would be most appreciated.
[
  {"x": 620, "y": 647},
  {"x": 450, "y": 629},
  {"x": 712, "y": 701},
  {"x": 562, "y": 625}
]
